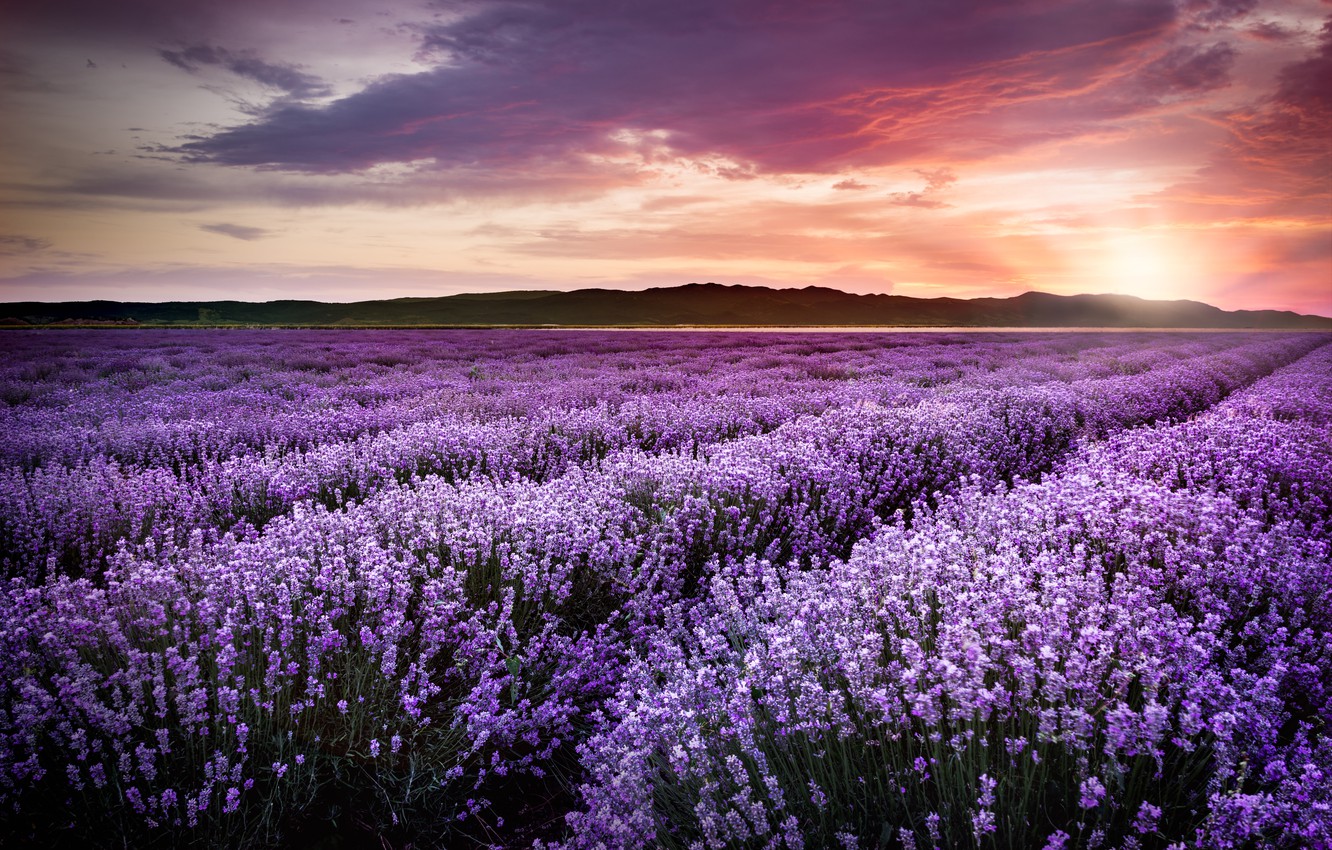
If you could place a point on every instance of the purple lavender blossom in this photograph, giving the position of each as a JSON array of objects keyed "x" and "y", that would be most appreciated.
[{"x": 771, "y": 590}]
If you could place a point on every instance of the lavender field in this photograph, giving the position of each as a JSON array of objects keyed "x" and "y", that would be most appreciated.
[{"x": 714, "y": 590}]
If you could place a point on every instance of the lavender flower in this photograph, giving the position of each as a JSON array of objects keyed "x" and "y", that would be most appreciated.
[{"x": 780, "y": 590}]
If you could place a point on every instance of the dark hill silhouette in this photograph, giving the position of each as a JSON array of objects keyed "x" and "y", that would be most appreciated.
[{"x": 700, "y": 304}]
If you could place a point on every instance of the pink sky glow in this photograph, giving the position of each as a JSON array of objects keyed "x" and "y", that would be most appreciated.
[{"x": 340, "y": 150}]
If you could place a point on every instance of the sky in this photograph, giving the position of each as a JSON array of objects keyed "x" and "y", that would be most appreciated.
[{"x": 342, "y": 150}]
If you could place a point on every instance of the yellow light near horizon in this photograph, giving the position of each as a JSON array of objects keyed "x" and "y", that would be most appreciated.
[{"x": 1144, "y": 264}]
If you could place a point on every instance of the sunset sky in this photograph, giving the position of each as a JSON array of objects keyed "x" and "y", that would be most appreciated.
[{"x": 341, "y": 150}]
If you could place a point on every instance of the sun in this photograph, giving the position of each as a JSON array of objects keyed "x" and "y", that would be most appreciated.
[{"x": 1144, "y": 263}]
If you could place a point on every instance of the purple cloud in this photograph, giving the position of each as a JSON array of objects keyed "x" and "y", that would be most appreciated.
[
  {"x": 798, "y": 87},
  {"x": 243, "y": 232},
  {"x": 1305, "y": 85},
  {"x": 1206, "y": 13},
  {"x": 1191, "y": 69},
  {"x": 1276, "y": 160},
  {"x": 1270, "y": 31},
  {"x": 278, "y": 75}
]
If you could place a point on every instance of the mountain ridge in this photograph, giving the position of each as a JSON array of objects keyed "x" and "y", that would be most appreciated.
[{"x": 692, "y": 305}]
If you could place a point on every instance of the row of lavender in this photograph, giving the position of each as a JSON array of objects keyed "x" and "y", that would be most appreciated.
[
  {"x": 169, "y": 398},
  {"x": 1135, "y": 652},
  {"x": 440, "y": 634},
  {"x": 180, "y": 444}
]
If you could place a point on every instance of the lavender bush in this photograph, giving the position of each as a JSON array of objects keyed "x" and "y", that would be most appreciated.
[
  {"x": 695, "y": 589},
  {"x": 1100, "y": 659}
]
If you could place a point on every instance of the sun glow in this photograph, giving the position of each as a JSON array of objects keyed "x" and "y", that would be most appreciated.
[{"x": 1143, "y": 263}]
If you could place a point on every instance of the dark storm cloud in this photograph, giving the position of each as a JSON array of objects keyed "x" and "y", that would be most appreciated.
[
  {"x": 244, "y": 63},
  {"x": 770, "y": 86},
  {"x": 242, "y": 232}
]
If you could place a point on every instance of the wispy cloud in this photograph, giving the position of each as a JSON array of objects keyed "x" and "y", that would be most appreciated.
[
  {"x": 1275, "y": 161},
  {"x": 243, "y": 232},
  {"x": 244, "y": 63},
  {"x": 936, "y": 180},
  {"x": 11, "y": 244}
]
